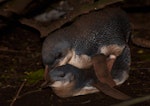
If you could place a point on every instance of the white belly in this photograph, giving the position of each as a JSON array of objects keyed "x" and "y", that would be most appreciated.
[
  {"x": 83, "y": 61},
  {"x": 79, "y": 61}
]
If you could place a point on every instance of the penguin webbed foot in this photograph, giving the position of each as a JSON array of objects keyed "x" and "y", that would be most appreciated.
[{"x": 102, "y": 67}]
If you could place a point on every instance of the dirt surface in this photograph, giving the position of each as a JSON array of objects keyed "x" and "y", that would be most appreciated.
[{"x": 20, "y": 52}]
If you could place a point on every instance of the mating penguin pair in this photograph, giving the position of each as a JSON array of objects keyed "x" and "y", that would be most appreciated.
[{"x": 90, "y": 55}]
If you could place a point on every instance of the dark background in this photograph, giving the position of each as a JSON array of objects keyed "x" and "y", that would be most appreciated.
[{"x": 20, "y": 54}]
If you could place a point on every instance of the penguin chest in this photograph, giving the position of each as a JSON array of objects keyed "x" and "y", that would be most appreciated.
[{"x": 81, "y": 61}]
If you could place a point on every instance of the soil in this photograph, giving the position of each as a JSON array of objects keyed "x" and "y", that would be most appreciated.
[{"x": 20, "y": 52}]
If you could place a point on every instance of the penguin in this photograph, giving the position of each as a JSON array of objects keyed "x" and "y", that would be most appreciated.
[
  {"x": 105, "y": 31},
  {"x": 67, "y": 81}
]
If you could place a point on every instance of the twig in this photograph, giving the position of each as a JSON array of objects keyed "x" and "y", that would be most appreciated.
[
  {"x": 18, "y": 92},
  {"x": 133, "y": 101},
  {"x": 29, "y": 92}
]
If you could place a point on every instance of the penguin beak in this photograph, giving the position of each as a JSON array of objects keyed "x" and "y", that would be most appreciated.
[
  {"x": 46, "y": 78},
  {"x": 46, "y": 73},
  {"x": 49, "y": 68}
]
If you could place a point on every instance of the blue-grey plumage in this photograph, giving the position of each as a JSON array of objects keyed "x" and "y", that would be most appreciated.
[
  {"x": 121, "y": 67},
  {"x": 67, "y": 80},
  {"x": 105, "y": 31},
  {"x": 88, "y": 34}
]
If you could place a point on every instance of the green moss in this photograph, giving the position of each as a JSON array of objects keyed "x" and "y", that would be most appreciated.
[{"x": 34, "y": 77}]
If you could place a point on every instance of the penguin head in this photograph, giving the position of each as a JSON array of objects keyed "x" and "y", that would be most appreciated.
[
  {"x": 68, "y": 81},
  {"x": 54, "y": 49}
]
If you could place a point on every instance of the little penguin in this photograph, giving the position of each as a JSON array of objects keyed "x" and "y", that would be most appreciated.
[
  {"x": 105, "y": 31},
  {"x": 67, "y": 81}
]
